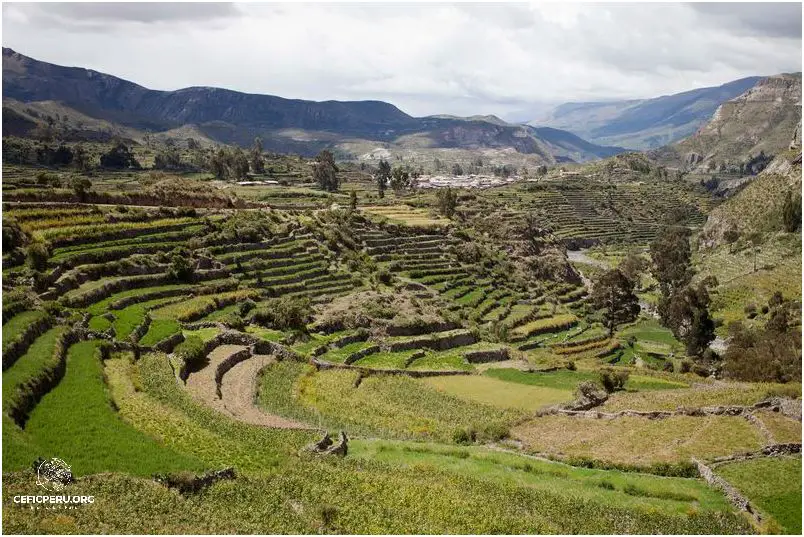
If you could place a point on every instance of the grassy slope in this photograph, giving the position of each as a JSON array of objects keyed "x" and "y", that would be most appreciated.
[
  {"x": 773, "y": 484},
  {"x": 77, "y": 423},
  {"x": 395, "y": 406}
]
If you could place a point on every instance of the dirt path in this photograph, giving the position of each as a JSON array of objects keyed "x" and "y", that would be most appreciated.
[
  {"x": 238, "y": 389},
  {"x": 201, "y": 384}
]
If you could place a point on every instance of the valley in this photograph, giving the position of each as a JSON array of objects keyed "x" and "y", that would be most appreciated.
[{"x": 509, "y": 330}]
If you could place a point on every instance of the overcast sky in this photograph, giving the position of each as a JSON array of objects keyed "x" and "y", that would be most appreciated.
[{"x": 463, "y": 59}]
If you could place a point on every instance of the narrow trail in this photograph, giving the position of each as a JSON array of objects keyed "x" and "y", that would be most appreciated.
[
  {"x": 201, "y": 383},
  {"x": 238, "y": 388}
]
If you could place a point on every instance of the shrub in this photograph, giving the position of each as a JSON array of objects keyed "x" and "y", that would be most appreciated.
[
  {"x": 246, "y": 306},
  {"x": 37, "y": 254},
  {"x": 496, "y": 431},
  {"x": 464, "y": 436},
  {"x": 613, "y": 380},
  {"x": 180, "y": 265},
  {"x": 285, "y": 313},
  {"x": 571, "y": 366},
  {"x": 384, "y": 277}
]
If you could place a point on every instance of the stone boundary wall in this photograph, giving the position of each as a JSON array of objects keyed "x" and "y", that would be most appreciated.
[
  {"x": 362, "y": 353},
  {"x": 29, "y": 394},
  {"x": 367, "y": 371},
  {"x": 14, "y": 349},
  {"x": 435, "y": 342},
  {"x": 486, "y": 356},
  {"x": 732, "y": 494},
  {"x": 228, "y": 363}
]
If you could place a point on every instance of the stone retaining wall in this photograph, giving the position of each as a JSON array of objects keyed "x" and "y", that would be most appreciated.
[
  {"x": 19, "y": 345},
  {"x": 486, "y": 356},
  {"x": 367, "y": 371},
  {"x": 731, "y": 493}
]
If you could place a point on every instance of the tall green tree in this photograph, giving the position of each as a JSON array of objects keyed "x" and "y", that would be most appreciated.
[
  {"x": 670, "y": 254},
  {"x": 325, "y": 171},
  {"x": 447, "y": 200},
  {"x": 687, "y": 315},
  {"x": 256, "y": 158},
  {"x": 400, "y": 179},
  {"x": 613, "y": 294},
  {"x": 382, "y": 176}
]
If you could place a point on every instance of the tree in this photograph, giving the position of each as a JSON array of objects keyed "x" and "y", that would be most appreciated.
[
  {"x": 168, "y": 159},
  {"x": 81, "y": 187},
  {"x": 633, "y": 266},
  {"x": 325, "y": 171},
  {"x": 382, "y": 176},
  {"x": 257, "y": 160},
  {"x": 457, "y": 169},
  {"x": 180, "y": 267},
  {"x": 671, "y": 255},
  {"x": 755, "y": 239},
  {"x": 239, "y": 168},
  {"x": 119, "y": 156},
  {"x": 791, "y": 212},
  {"x": 81, "y": 158},
  {"x": 400, "y": 179},
  {"x": 352, "y": 201},
  {"x": 613, "y": 294},
  {"x": 447, "y": 200},
  {"x": 687, "y": 315},
  {"x": 37, "y": 254}
]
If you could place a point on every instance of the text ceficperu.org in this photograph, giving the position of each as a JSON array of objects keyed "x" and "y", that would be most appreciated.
[{"x": 55, "y": 500}]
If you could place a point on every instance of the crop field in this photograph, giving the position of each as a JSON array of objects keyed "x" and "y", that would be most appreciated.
[
  {"x": 169, "y": 325},
  {"x": 639, "y": 441}
]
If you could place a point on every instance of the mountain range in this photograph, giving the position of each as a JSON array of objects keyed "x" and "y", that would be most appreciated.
[
  {"x": 763, "y": 119},
  {"x": 644, "y": 123},
  {"x": 90, "y": 105},
  {"x": 97, "y": 105}
]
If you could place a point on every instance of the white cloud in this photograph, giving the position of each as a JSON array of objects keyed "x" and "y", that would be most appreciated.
[{"x": 425, "y": 58}]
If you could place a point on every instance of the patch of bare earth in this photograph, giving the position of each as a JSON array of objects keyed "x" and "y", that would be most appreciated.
[{"x": 238, "y": 387}]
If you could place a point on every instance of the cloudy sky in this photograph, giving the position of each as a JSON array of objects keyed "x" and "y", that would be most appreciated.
[{"x": 427, "y": 58}]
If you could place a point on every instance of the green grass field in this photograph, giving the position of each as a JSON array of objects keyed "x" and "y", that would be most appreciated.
[
  {"x": 76, "y": 422},
  {"x": 774, "y": 485}
]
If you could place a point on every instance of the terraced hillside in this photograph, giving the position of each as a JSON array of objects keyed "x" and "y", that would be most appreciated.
[
  {"x": 582, "y": 211},
  {"x": 143, "y": 340}
]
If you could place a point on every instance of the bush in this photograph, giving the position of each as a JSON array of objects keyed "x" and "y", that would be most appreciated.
[
  {"x": 686, "y": 366},
  {"x": 285, "y": 313},
  {"x": 613, "y": 380},
  {"x": 37, "y": 254},
  {"x": 384, "y": 277},
  {"x": 571, "y": 366},
  {"x": 496, "y": 432},
  {"x": 180, "y": 265},
  {"x": 246, "y": 306},
  {"x": 464, "y": 436}
]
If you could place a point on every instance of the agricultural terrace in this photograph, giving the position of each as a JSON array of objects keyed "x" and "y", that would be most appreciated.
[{"x": 170, "y": 325}]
